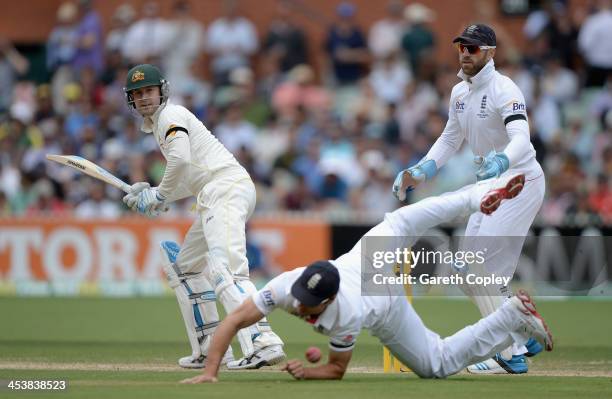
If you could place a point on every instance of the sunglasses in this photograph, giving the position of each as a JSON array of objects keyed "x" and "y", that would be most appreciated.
[{"x": 471, "y": 48}]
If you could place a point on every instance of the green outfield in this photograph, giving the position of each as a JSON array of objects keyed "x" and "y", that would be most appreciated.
[{"x": 127, "y": 348}]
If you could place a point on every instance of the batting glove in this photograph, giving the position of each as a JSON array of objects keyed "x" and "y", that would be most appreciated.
[
  {"x": 424, "y": 170},
  {"x": 150, "y": 202},
  {"x": 493, "y": 165},
  {"x": 131, "y": 198}
]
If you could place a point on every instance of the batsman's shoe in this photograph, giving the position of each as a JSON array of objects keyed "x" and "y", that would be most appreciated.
[
  {"x": 503, "y": 188},
  {"x": 268, "y": 356},
  {"x": 533, "y": 347},
  {"x": 498, "y": 365},
  {"x": 192, "y": 362},
  {"x": 533, "y": 324}
]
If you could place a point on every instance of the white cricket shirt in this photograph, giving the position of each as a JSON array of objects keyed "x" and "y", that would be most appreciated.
[
  {"x": 345, "y": 316},
  {"x": 488, "y": 110},
  {"x": 194, "y": 156}
]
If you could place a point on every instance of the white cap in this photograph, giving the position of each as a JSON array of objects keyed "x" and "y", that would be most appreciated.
[{"x": 417, "y": 12}]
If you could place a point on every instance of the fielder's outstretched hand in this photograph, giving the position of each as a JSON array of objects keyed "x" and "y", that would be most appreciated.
[
  {"x": 199, "y": 379},
  {"x": 295, "y": 368}
]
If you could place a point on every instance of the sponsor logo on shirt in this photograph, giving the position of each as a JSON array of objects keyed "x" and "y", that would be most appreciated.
[
  {"x": 459, "y": 106},
  {"x": 516, "y": 106},
  {"x": 348, "y": 339},
  {"x": 267, "y": 297}
]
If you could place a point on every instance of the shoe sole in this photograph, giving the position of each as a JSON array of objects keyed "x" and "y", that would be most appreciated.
[
  {"x": 530, "y": 309},
  {"x": 492, "y": 199}
]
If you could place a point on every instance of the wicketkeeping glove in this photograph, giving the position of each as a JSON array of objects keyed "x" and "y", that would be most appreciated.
[
  {"x": 493, "y": 165},
  {"x": 424, "y": 170}
]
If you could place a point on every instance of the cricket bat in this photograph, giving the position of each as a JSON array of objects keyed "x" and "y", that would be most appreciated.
[{"x": 91, "y": 169}]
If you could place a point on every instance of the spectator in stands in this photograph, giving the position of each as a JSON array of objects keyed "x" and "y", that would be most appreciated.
[
  {"x": 234, "y": 131},
  {"x": 389, "y": 78},
  {"x": 300, "y": 91},
  {"x": 12, "y": 66},
  {"x": 231, "y": 40},
  {"x": 148, "y": 38},
  {"x": 306, "y": 166},
  {"x": 385, "y": 34},
  {"x": 97, "y": 205},
  {"x": 256, "y": 109},
  {"x": 372, "y": 197},
  {"x": 546, "y": 114},
  {"x": 333, "y": 190},
  {"x": 41, "y": 200},
  {"x": 285, "y": 41},
  {"x": 562, "y": 34},
  {"x": 595, "y": 44},
  {"x": 418, "y": 41},
  {"x": 558, "y": 82},
  {"x": 346, "y": 47},
  {"x": 600, "y": 199},
  {"x": 62, "y": 47},
  {"x": 90, "y": 41},
  {"x": 122, "y": 20},
  {"x": 63, "y": 40},
  {"x": 186, "y": 43}
]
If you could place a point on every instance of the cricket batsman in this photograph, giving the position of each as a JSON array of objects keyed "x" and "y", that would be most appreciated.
[
  {"x": 211, "y": 264},
  {"x": 327, "y": 295},
  {"x": 488, "y": 110}
]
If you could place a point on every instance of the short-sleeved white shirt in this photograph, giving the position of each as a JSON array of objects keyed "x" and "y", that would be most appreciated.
[{"x": 345, "y": 317}]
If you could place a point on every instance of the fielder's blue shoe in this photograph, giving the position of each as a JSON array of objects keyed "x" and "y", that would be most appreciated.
[
  {"x": 533, "y": 347},
  {"x": 499, "y": 365}
]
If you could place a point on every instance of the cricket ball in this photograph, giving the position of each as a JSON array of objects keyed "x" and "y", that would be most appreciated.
[{"x": 313, "y": 354}]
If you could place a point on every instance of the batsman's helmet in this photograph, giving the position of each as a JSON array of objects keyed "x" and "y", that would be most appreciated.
[{"x": 144, "y": 75}]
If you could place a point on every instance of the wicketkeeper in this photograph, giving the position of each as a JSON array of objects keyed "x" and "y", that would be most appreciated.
[
  {"x": 211, "y": 264},
  {"x": 488, "y": 111}
]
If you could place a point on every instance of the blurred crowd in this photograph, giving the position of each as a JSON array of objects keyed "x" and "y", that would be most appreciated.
[{"x": 315, "y": 134}]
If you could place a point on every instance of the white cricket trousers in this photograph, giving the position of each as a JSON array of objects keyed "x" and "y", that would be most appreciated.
[
  {"x": 430, "y": 356},
  {"x": 403, "y": 331},
  {"x": 219, "y": 230}
]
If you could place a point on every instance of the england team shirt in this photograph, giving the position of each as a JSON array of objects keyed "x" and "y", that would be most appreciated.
[
  {"x": 480, "y": 108},
  {"x": 345, "y": 316}
]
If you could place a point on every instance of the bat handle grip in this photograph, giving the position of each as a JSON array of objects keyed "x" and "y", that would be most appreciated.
[{"x": 126, "y": 188}]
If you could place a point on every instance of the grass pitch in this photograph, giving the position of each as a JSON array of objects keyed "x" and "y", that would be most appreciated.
[{"x": 127, "y": 348}]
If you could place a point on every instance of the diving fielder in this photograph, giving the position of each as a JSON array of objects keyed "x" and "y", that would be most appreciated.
[
  {"x": 488, "y": 110},
  {"x": 327, "y": 294},
  {"x": 211, "y": 264}
]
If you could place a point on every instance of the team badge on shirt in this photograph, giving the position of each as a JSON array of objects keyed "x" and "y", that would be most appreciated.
[{"x": 482, "y": 114}]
